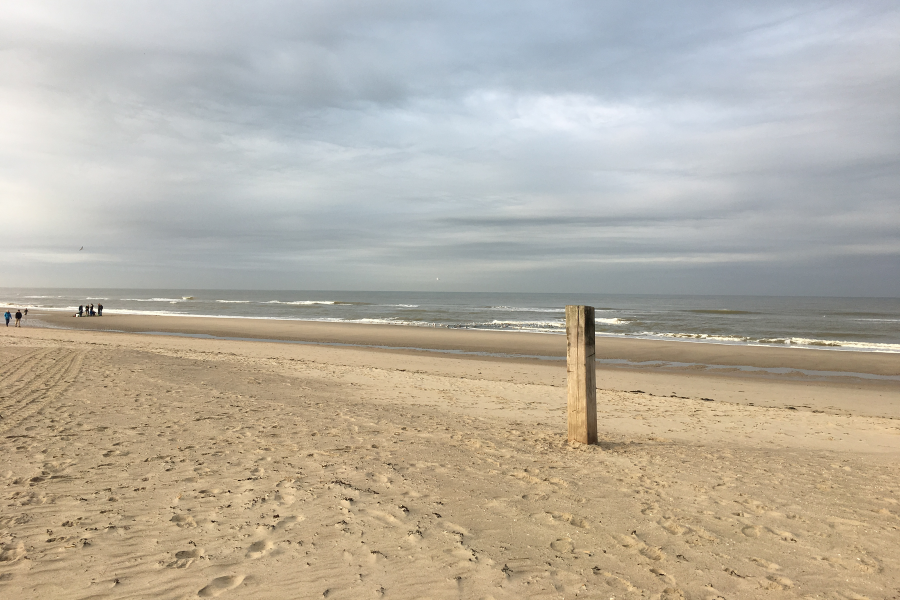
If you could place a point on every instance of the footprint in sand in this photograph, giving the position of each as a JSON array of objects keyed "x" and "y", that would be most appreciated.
[
  {"x": 863, "y": 564},
  {"x": 30, "y": 499},
  {"x": 259, "y": 548},
  {"x": 652, "y": 553},
  {"x": 284, "y": 499},
  {"x": 776, "y": 582},
  {"x": 570, "y": 519},
  {"x": 535, "y": 497},
  {"x": 751, "y": 531},
  {"x": 220, "y": 585},
  {"x": 287, "y": 523},
  {"x": 383, "y": 517},
  {"x": 786, "y": 536},
  {"x": 184, "y": 521},
  {"x": 663, "y": 575},
  {"x": 631, "y": 541},
  {"x": 616, "y": 582},
  {"x": 649, "y": 509},
  {"x": 628, "y": 541},
  {"x": 765, "y": 564},
  {"x": 12, "y": 552},
  {"x": 184, "y": 558},
  {"x": 563, "y": 545},
  {"x": 673, "y": 527}
]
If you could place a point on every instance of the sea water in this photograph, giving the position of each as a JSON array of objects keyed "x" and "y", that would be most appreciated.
[{"x": 861, "y": 324}]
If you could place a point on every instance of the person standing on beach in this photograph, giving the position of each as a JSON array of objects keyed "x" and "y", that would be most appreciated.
[
  {"x": 99, "y": 310},
  {"x": 80, "y": 310},
  {"x": 18, "y": 317},
  {"x": 26, "y": 311},
  {"x": 7, "y": 315}
]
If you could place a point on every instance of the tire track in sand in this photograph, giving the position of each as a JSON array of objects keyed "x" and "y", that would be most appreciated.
[
  {"x": 50, "y": 374},
  {"x": 13, "y": 373}
]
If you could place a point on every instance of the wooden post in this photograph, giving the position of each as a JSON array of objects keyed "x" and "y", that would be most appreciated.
[{"x": 582, "y": 379}]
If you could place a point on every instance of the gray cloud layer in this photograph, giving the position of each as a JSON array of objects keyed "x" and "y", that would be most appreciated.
[{"x": 594, "y": 146}]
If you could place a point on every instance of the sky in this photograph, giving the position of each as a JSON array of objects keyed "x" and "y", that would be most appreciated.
[{"x": 565, "y": 146}]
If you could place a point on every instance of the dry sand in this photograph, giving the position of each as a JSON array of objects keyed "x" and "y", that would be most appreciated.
[{"x": 139, "y": 466}]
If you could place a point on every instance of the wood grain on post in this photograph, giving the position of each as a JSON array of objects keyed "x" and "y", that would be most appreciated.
[{"x": 581, "y": 376}]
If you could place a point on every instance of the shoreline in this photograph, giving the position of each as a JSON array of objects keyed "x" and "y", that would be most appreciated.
[
  {"x": 790, "y": 325},
  {"x": 641, "y": 354},
  {"x": 825, "y": 345}
]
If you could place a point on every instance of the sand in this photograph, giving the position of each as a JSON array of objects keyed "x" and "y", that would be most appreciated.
[{"x": 144, "y": 466}]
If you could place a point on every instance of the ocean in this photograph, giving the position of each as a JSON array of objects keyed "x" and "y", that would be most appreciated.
[{"x": 848, "y": 324}]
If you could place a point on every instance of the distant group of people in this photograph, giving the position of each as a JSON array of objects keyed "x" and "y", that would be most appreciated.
[
  {"x": 8, "y": 316},
  {"x": 88, "y": 310}
]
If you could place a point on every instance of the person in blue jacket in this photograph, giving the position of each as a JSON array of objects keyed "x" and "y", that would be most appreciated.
[{"x": 7, "y": 316}]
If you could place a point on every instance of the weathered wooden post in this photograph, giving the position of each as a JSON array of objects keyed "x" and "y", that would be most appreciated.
[{"x": 580, "y": 373}]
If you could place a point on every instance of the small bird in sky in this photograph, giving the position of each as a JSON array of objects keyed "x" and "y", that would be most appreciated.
[
  {"x": 80, "y": 249},
  {"x": 437, "y": 278}
]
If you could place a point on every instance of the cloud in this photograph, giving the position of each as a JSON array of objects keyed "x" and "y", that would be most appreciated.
[{"x": 369, "y": 145}]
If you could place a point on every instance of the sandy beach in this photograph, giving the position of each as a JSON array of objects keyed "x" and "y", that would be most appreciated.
[{"x": 398, "y": 462}]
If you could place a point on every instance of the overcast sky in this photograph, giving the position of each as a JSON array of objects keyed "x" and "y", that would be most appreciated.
[{"x": 633, "y": 147}]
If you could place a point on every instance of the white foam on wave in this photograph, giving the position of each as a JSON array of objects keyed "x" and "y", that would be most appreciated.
[
  {"x": 234, "y": 301},
  {"x": 171, "y": 313},
  {"x": 871, "y": 346},
  {"x": 300, "y": 302},
  {"x": 604, "y": 320},
  {"x": 151, "y": 300},
  {"x": 880, "y": 320},
  {"x": 522, "y": 326},
  {"x": 613, "y": 321},
  {"x": 152, "y": 313},
  {"x": 525, "y": 309},
  {"x": 374, "y": 321},
  {"x": 402, "y": 305},
  {"x": 40, "y": 306},
  {"x": 794, "y": 342},
  {"x": 385, "y": 321},
  {"x": 697, "y": 336},
  {"x": 552, "y": 324}
]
